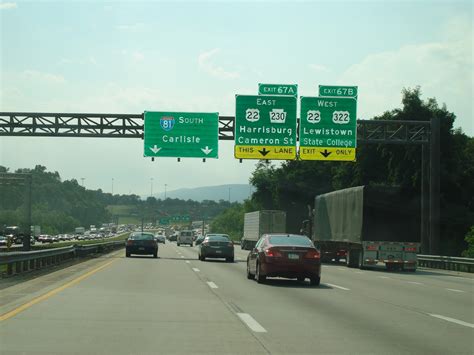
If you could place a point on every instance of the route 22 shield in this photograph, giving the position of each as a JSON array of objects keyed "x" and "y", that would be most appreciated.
[{"x": 167, "y": 123}]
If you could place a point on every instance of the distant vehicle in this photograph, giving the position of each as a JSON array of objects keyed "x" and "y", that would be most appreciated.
[
  {"x": 3, "y": 240},
  {"x": 284, "y": 255},
  {"x": 216, "y": 246},
  {"x": 377, "y": 227},
  {"x": 79, "y": 230},
  {"x": 160, "y": 238},
  {"x": 141, "y": 243},
  {"x": 36, "y": 231},
  {"x": 173, "y": 237},
  {"x": 199, "y": 239},
  {"x": 185, "y": 237},
  {"x": 14, "y": 233},
  {"x": 261, "y": 222}
]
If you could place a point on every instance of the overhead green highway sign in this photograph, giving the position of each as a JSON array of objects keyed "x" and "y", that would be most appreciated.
[
  {"x": 265, "y": 127},
  {"x": 328, "y": 128},
  {"x": 337, "y": 91},
  {"x": 278, "y": 89},
  {"x": 181, "y": 134}
]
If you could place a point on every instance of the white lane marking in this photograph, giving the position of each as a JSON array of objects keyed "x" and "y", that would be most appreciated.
[
  {"x": 212, "y": 284},
  {"x": 415, "y": 283},
  {"x": 182, "y": 256},
  {"x": 383, "y": 277},
  {"x": 196, "y": 270},
  {"x": 452, "y": 320},
  {"x": 251, "y": 323},
  {"x": 454, "y": 290},
  {"x": 188, "y": 262},
  {"x": 341, "y": 268},
  {"x": 339, "y": 287}
]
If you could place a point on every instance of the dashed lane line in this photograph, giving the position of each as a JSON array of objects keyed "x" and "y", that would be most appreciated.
[
  {"x": 452, "y": 320},
  {"x": 251, "y": 323},
  {"x": 197, "y": 270},
  {"x": 454, "y": 290},
  {"x": 336, "y": 286},
  {"x": 212, "y": 284}
]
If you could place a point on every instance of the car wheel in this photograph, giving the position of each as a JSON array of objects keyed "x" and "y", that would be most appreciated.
[
  {"x": 177, "y": 243},
  {"x": 191, "y": 244},
  {"x": 127, "y": 255},
  {"x": 155, "y": 255},
  {"x": 301, "y": 278},
  {"x": 315, "y": 281},
  {"x": 203, "y": 258},
  {"x": 259, "y": 277},
  {"x": 249, "y": 275}
]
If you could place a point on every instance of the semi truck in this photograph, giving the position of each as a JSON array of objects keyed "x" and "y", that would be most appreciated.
[
  {"x": 371, "y": 227},
  {"x": 261, "y": 222}
]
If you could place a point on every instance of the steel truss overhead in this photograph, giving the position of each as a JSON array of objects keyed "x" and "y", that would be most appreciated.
[{"x": 108, "y": 125}]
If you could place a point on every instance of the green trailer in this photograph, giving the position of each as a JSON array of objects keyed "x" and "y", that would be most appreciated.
[{"x": 369, "y": 227}]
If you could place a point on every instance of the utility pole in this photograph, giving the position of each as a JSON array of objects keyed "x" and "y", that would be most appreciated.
[
  {"x": 112, "y": 186},
  {"x": 151, "y": 187}
]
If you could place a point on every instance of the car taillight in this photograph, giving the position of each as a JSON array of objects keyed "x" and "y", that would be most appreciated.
[
  {"x": 272, "y": 252},
  {"x": 412, "y": 249},
  {"x": 372, "y": 247},
  {"x": 230, "y": 244},
  {"x": 312, "y": 254}
]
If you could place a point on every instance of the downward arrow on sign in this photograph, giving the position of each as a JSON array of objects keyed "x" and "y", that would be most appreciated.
[
  {"x": 264, "y": 151},
  {"x": 326, "y": 153},
  {"x": 206, "y": 150},
  {"x": 155, "y": 149}
]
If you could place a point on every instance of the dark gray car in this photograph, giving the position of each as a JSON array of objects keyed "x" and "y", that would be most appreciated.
[{"x": 216, "y": 246}]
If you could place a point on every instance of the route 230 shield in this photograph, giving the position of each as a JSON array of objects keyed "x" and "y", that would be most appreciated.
[{"x": 167, "y": 123}]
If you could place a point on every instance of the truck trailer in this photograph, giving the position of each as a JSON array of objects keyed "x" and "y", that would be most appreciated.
[
  {"x": 376, "y": 227},
  {"x": 261, "y": 222}
]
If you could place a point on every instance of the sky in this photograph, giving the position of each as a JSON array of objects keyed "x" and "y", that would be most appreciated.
[{"x": 131, "y": 57}]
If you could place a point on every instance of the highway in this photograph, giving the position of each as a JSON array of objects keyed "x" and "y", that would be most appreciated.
[{"x": 177, "y": 304}]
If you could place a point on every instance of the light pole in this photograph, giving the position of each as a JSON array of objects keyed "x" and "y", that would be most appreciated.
[
  {"x": 151, "y": 187},
  {"x": 112, "y": 186}
]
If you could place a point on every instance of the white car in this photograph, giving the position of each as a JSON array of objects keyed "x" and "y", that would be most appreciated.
[{"x": 185, "y": 237}]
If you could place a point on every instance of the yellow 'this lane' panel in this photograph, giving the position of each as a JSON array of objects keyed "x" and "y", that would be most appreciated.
[
  {"x": 327, "y": 153},
  {"x": 264, "y": 152}
]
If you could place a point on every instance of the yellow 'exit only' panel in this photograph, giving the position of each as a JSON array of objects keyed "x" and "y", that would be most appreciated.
[
  {"x": 264, "y": 152},
  {"x": 328, "y": 153}
]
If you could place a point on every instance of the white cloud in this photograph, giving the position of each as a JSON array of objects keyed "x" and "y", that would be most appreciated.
[
  {"x": 443, "y": 70},
  {"x": 7, "y": 5},
  {"x": 206, "y": 64},
  {"x": 318, "y": 68},
  {"x": 43, "y": 76},
  {"x": 138, "y": 56},
  {"x": 133, "y": 27}
]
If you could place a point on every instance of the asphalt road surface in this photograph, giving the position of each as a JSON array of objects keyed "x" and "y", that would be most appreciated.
[{"x": 178, "y": 305}]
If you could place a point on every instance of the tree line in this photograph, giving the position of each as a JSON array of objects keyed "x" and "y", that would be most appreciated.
[
  {"x": 60, "y": 206},
  {"x": 293, "y": 185}
]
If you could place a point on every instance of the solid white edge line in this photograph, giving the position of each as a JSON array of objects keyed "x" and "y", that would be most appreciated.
[
  {"x": 452, "y": 320},
  {"x": 454, "y": 290},
  {"x": 415, "y": 283},
  {"x": 251, "y": 323},
  {"x": 196, "y": 269},
  {"x": 383, "y": 277},
  {"x": 212, "y": 284},
  {"x": 336, "y": 286},
  {"x": 188, "y": 262}
]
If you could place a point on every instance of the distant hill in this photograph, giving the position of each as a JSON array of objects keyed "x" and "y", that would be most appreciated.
[{"x": 238, "y": 192}]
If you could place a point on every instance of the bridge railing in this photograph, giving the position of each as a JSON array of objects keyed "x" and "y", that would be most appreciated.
[
  {"x": 446, "y": 262},
  {"x": 22, "y": 261}
]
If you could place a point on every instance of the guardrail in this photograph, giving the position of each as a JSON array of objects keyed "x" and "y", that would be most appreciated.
[
  {"x": 21, "y": 261},
  {"x": 446, "y": 262}
]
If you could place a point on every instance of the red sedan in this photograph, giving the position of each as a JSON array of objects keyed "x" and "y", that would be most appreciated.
[{"x": 284, "y": 255}]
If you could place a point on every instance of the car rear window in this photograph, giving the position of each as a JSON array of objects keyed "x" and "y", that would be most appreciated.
[
  {"x": 186, "y": 234},
  {"x": 218, "y": 238},
  {"x": 292, "y": 240},
  {"x": 142, "y": 236}
]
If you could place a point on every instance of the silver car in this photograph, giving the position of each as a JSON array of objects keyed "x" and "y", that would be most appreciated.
[{"x": 185, "y": 237}]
